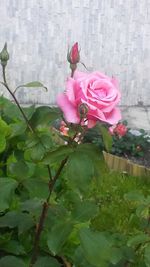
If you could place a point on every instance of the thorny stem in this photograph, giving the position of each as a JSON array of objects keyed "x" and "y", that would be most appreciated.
[
  {"x": 44, "y": 213},
  {"x": 15, "y": 99},
  {"x": 127, "y": 264}
]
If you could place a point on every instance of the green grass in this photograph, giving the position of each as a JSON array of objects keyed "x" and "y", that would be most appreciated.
[{"x": 116, "y": 212}]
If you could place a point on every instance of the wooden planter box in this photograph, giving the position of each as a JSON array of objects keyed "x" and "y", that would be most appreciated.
[{"x": 125, "y": 166}]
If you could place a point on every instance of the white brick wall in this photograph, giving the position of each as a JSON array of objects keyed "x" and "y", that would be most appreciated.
[{"x": 114, "y": 36}]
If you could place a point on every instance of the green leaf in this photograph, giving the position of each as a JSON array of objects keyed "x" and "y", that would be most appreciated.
[
  {"x": 57, "y": 155},
  {"x": 46, "y": 262},
  {"x": 35, "y": 153},
  {"x": 13, "y": 219},
  {"x": 107, "y": 138},
  {"x": 29, "y": 112},
  {"x": 12, "y": 112},
  {"x": 84, "y": 211},
  {"x": 7, "y": 187},
  {"x": 116, "y": 255},
  {"x": 13, "y": 247},
  {"x": 18, "y": 128},
  {"x": 32, "y": 84},
  {"x": 142, "y": 211},
  {"x": 138, "y": 239},
  {"x": 44, "y": 116},
  {"x": 31, "y": 205},
  {"x": 4, "y": 128},
  {"x": 79, "y": 258},
  {"x": 147, "y": 256},
  {"x": 2, "y": 142},
  {"x": 46, "y": 141},
  {"x": 58, "y": 236},
  {"x": 135, "y": 196},
  {"x": 5, "y": 238},
  {"x": 31, "y": 141},
  {"x": 19, "y": 169},
  {"x": 80, "y": 170},
  {"x": 93, "y": 153},
  {"x": 97, "y": 249},
  {"x": 89, "y": 149},
  {"x": 37, "y": 187},
  {"x": 11, "y": 261}
]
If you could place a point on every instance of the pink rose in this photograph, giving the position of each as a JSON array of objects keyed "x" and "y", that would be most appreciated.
[{"x": 97, "y": 91}]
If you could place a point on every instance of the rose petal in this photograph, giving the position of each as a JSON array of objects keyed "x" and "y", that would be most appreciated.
[
  {"x": 115, "y": 82},
  {"x": 100, "y": 75},
  {"x": 113, "y": 117},
  {"x": 69, "y": 110},
  {"x": 79, "y": 75},
  {"x": 91, "y": 123},
  {"x": 69, "y": 89}
]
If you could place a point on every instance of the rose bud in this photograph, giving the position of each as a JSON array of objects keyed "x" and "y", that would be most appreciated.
[
  {"x": 83, "y": 110},
  {"x": 121, "y": 130},
  {"x": 4, "y": 55},
  {"x": 73, "y": 55}
]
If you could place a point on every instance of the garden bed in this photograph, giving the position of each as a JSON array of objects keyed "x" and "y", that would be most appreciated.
[{"x": 125, "y": 165}]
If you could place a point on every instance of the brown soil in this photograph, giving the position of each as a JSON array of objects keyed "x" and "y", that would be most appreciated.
[{"x": 144, "y": 161}]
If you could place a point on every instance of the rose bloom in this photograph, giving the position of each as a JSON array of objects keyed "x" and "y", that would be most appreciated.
[
  {"x": 120, "y": 129},
  {"x": 97, "y": 91}
]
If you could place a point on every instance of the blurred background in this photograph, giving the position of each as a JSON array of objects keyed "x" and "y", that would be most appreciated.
[{"x": 114, "y": 37}]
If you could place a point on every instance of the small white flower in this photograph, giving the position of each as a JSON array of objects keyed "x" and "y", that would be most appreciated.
[{"x": 135, "y": 132}]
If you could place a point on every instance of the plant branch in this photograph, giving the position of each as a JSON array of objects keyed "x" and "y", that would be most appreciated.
[
  {"x": 15, "y": 99},
  {"x": 44, "y": 213},
  {"x": 127, "y": 264},
  {"x": 49, "y": 172}
]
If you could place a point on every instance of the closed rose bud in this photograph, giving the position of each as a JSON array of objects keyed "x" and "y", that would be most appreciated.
[
  {"x": 4, "y": 55},
  {"x": 120, "y": 130},
  {"x": 73, "y": 55},
  {"x": 83, "y": 110}
]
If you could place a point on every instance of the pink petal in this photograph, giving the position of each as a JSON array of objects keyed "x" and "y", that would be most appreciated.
[
  {"x": 113, "y": 117},
  {"x": 70, "y": 89},
  {"x": 115, "y": 82},
  {"x": 79, "y": 75},
  {"x": 91, "y": 123},
  {"x": 69, "y": 110},
  {"x": 100, "y": 75}
]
